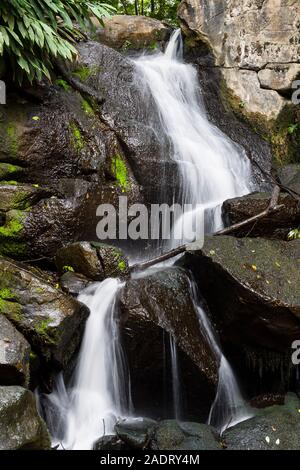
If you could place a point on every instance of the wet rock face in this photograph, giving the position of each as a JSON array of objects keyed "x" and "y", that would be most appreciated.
[
  {"x": 82, "y": 258},
  {"x": 128, "y": 32},
  {"x": 289, "y": 175},
  {"x": 59, "y": 163},
  {"x": 257, "y": 63},
  {"x": 109, "y": 442},
  {"x": 19, "y": 196},
  {"x": 276, "y": 225},
  {"x": 256, "y": 281},
  {"x": 49, "y": 319},
  {"x": 136, "y": 433},
  {"x": 128, "y": 108},
  {"x": 14, "y": 355},
  {"x": 273, "y": 428},
  {"x": 21, "y": 427},
  {"x": 185, "y": 436},
  {"x": 73, "y": 283},
  {"x": 96, "y": 261},
  {"x": 152, "y": 308},
  {"x": 143, "y": 433}
]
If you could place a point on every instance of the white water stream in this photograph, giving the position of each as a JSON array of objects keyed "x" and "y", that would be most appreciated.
[
  {"x": 212, "y": 169},
  {"x": 229, "y": 407},
  {"x": 100, "y": 393}
]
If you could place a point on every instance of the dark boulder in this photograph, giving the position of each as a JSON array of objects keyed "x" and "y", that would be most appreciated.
[
  {"x": 50, "y": 320},
  {"x": 96, "y": 261},
  {"x": 274, "y": 428},
  {"x": 136, "y": 432},
  {"x": 172, "y": 435},
  {"x": 15, "y": 195},
  {"x": 14, "y": 355},
  {"x": 73, "y": 283},
  {"x": 82, "y": 258},
  {"x": 275, "y": 225},
  {"x": 9, "y": 171},
  {"x": 251, "y": 286},
  {"x": 154, "y": 307},
  {"x": 71, "y": 163},
  {"x": 109, "y": 442},
  {"x": 21, "y": 427},
  {"x": 128, "y": 32}
]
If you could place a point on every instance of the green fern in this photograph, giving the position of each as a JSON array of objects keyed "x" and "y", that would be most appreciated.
[{"x": 34, "y": 33}]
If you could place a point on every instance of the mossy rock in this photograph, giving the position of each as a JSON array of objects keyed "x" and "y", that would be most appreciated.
[
  {"x": 19, "y": 196},
  {"x": 14, "y": 352},
  {"x": 276, "y": 427},
  {"x": 172, "y": 435},
  {"x": 11, "y": 234},
  {"x": 21, "y": 427},
  {"x": 276, "y": 225},
  {"x": 82, "y": 258},
  {"x": 257, "y": 281},
  {"x": 113, "y": 260},
  {"x": 9, "y": 171},
  {"x": 51, "y": 321}
]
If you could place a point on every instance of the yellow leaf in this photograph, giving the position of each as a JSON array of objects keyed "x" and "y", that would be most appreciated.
[{"x": 254, "y": 267}]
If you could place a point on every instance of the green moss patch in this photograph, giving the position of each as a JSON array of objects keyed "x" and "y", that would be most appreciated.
[
  {"x": 87, "y": 108},
  {"x": 63, "y": 84},
  {"x": 77, "y": 137},
  {"x": 7, "y": 170},
  {"x": 122, "y": 265},
  {"x": 120, "y": 172},
  {"x": 83, "y": 73},
  {"x": 11, "y": 131},
  {"x": 7, "y": 306},
  {"x": 10, "y": 243},
  {"x": 41, "y": 326}
]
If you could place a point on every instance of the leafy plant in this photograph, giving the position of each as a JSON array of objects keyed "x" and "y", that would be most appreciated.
[
  {"x": 67, "y": 269},
  {"x": 292, "y": 128},
  {"x": 294, "y": 234},
  {"x": 160, "y": 9},
  {"x": 33, "y": 33}
]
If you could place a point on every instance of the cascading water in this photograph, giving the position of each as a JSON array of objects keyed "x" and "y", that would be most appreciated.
[
  {"x": 175, "y": 378},
  {"x": 100, "y": 391},
  {"x": 229, "y": 407},
  {"x": 213, "y": 168}
]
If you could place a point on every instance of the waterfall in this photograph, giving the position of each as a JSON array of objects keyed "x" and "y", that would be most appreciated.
[
  {"x": 98, "y": 393},
  {"x": 212, "y": 167},
  {"x": 229, "y": 407},
  {"x": 175, "y": 378}
]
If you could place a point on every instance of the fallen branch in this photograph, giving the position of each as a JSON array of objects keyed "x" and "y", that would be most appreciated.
[
  {"x": 272, "y": 207},
  {"x": 158, "y": 259}
]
